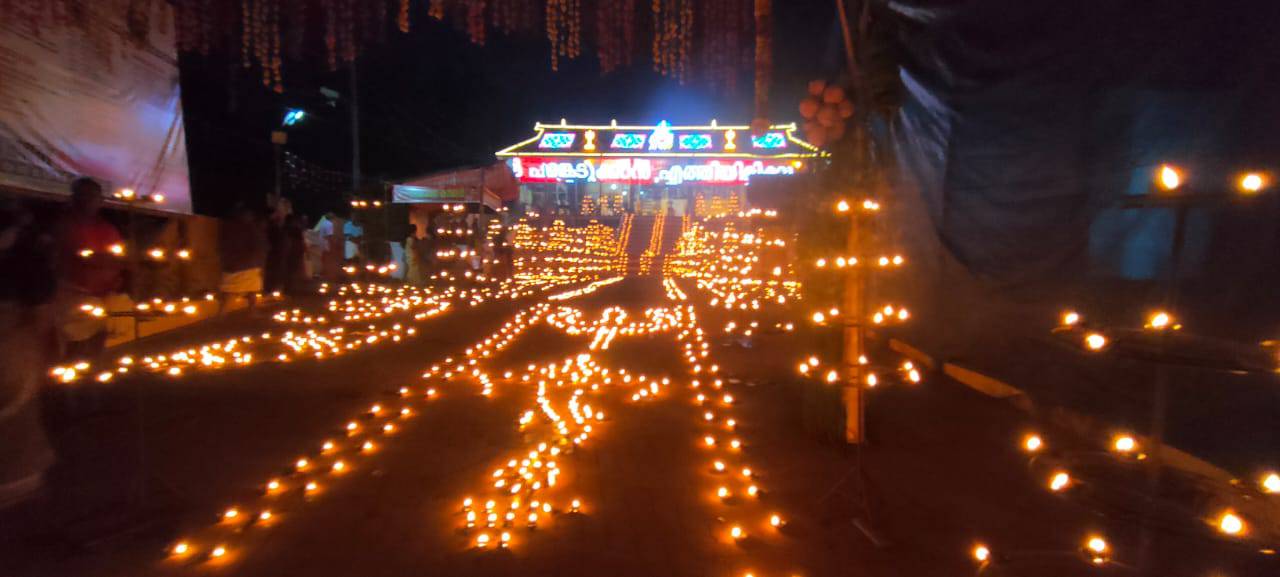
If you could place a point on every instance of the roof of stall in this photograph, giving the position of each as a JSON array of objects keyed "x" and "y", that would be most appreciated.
[
  {"x": 489, "y": 185},
  {"x": 663, "y": 140}
]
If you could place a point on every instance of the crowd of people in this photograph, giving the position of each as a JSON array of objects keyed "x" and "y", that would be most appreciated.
[
  {"x": 57, "y": 266},
  {"x": 442, "y": 248},
  {"x": 51, "y": 272},
  {"x": 262, "y": 256}
]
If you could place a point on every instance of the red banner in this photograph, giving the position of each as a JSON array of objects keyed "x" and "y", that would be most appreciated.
[{"x": 639, "y": 170}]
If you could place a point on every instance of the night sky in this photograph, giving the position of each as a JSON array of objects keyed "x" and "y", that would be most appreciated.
[{"x": 431, "y": 100}]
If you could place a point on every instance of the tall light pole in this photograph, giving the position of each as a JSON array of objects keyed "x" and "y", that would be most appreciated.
[
  {"x": 279, "y": 138},
  {"x": 1170, "y": 192},
  {"x": 355, "y": 131},
  {"x": 855, "y": 280}
]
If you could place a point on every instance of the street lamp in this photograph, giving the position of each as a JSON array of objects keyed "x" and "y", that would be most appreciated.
[
  {"x": 279, "y": 138},
  {"x": 293, "y": 116}
]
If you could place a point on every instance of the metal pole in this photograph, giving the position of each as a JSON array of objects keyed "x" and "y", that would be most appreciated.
[
  {"x": 278, "y": 140},
  {"x": 1160, "y": 387},
  {"x": 141, "y": 482},
  {"x": 854, "y": 289},
  {"x": 355, "y": 130},
  {"x": 852, "y": 312},
  {"x": 1159, "y": 401},
  {"x": 276, "y": 147}
]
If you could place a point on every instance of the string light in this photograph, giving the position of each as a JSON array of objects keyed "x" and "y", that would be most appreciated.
[{"x": 1230, "y": 523}]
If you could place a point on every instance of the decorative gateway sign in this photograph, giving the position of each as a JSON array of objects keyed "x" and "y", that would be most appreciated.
[{"x": 647, "y": 170}]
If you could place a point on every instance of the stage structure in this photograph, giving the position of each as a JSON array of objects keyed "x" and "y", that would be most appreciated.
[{"x": 676, "y": 170}]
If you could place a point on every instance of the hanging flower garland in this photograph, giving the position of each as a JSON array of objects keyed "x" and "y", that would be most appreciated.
[
  {"x": 672, "y": 37},
  {"x": 246, "y": 32},
  {"x": 717, "y": 29},
  {"x": 475, "y": 21},
  {"x": 686, "y": 40},
  {"x": 764, "y": 63},
  {"x": 511, "y": 16},
  {"x": 615, "y": 34},
  {"x": 564, "y": 29},
  {"x": 629, "y": 30},
  {"x": 722, "y": 31}
]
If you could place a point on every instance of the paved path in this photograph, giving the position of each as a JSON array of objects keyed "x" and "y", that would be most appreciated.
[{"x": 943, "y": 474}]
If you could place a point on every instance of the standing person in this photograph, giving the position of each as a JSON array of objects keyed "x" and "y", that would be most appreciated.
[
  {"x": 295, "y": 258},
  {"x": 328, "y": 231},
  {"x": 355, "y": 249},
  {"x": 502, "y": 252},
  {"x": 26, "y": 331},
  {"x": 508, "y": 237},
  {"x": 488, "y": 254},
  {"x": 276, "y": 271},
  {"x": 413, "y": 257},
  {"x": 90, "y": 260},
  {"x": 242, "y": 241},
  {"x": 430, "y": 260}
]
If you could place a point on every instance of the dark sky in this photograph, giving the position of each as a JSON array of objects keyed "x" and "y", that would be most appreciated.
[{"x": 430, "y": 99}]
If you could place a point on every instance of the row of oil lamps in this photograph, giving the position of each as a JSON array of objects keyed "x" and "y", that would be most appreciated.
[
  {"x": 348, "y": 327},
  {"x": 310, "y": 475}
]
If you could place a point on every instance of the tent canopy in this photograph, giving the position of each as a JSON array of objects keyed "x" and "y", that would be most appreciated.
[{"x": 489, "y": 185}]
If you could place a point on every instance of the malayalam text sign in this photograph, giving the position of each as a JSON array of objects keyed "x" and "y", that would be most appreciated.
[{"x": 728, "y": 172}]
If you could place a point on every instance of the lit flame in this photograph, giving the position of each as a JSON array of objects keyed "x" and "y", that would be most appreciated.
[
  {"x": 1252, "y": 182},
  {"x": 1169, "y": 177}
]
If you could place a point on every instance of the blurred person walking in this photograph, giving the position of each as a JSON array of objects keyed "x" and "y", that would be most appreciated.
[
  {"x": 413, "y": 261},
  {"x": 90, "y": 260},
  {"x": 242, "y": 241},
  {"x": 27, "y": 341},
  {"x": 329, "y": 231},
  {"x": 296, "y": 275},
  {"x": 279, "y": 246}
]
